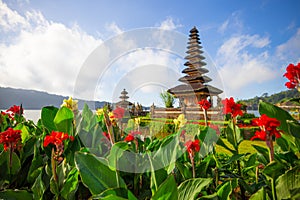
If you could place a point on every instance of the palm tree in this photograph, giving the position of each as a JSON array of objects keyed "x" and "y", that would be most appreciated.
[{"x": 168, "y": 99}]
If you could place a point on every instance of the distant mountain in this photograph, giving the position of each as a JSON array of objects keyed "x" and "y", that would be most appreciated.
[
  {"x": 32, "y": 99},
  {"x": 252, "y": 104}
]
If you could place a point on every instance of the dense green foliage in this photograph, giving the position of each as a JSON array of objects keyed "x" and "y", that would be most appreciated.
[{"x": 252, "y": 104}]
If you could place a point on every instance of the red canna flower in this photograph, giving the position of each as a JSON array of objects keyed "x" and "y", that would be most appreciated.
[
  {"x": 129, "y": 138},
  {"x": 204, "y": 104},
  {"x": 119, "y": 113},
  {"x": 15, "y": 109},
  {"x": 230, "y": 107},
  {"x": 260, "y": 135},
  {"x": 57, "y": 139},
  {"x": 106, "y": 135},
  {"x": 268, "y": 125},
  {"x": 10, "y": 138},
  {"x": 293, "y": 74},
  {"x": 192, "y": 146}
]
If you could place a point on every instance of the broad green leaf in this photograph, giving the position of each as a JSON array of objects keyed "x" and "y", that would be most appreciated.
[
  {"x": 47, "y": 117},
  {"x": 5, "y": 169},
  {"x": 294, "y": 128},
  {"x": 273, "y": 170},
  {"x": 167, "y": 190},
  {"x": 167, "y": 153},
  {"x": 38, "y": 188},
  {"x": 157, "y": 178},
  {"x": 115, "y": 153},
  {"x": 234, "y": 158},
  {"x": 225, "y": 190},
  {"x": 263, "y": 151},
  {"x": 184, "y": 171},
  {"x": 288, "y": 184},
  {"x": 208, "y": 142},
  {"x": 64, "y": 120},
  {"x": 190, "y": 188},
  {"x": 16, "y": 194},
  {"x": 275, "y": 112},
  {"x": 70, "y": 185},
  {"x": 36, "y": 166},
  {"x": 95, "y": 173},
  {"x": 222, "y": 144},
  {"x": 89, "y": 120},
  {"x": 260, "y": 195},
  {"x": 116, "y": 193},
  {"x": 24, "y": 134}
]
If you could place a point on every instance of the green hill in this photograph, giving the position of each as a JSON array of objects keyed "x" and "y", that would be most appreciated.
[{"x": 252, "y": 104}]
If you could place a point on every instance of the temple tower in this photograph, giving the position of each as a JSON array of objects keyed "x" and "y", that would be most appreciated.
[{"x": 194, "y": 87}]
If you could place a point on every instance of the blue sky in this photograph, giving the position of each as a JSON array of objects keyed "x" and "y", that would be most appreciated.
[{"x": 45, "y": 44}]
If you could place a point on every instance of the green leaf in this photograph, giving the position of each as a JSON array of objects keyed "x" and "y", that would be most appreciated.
[
  {"x": 288, "y": 184},
  {"x": 70, "y": 185},
  {"x": 64, "y": 120},
  {"x": 38, "y": 188},
  {"x": 235, "y": 158},
  {"x": 222, "y": 144},
  {"x": 208, "y": 142},
  {"x": 259, "y": 195},
  {"x": 36, "y": 166},
  {"x": 16, "y": 194},
  {"x": 115, "y": 153},
  {"x": 47, "y": 117},
  {"x": 5, "y": 170},
  {"x": 225, "y": 190},
  {"x": 95, "y": 173},
  {"x": 263, "y": 151},
  {"x": 190, "y": 188},
  {"x": 273, "y": 170},
  {"x": 89, "y": 120},
  {"x": 157, "y": 178},
  {"x": 116, "y": 193},
  {"x": 167, "y": 190},
  {"x": 275, "y": 112},
  {"x": 294, "y": 128},
  {"x": 24, "y": 132}
]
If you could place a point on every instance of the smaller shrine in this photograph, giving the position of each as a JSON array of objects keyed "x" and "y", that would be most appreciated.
[{"x": 124, "y": 103}]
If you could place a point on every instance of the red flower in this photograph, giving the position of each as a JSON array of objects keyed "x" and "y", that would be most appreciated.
[
  {"x": 230, "y": 107},
  {"x": 216, "y": 128},
  {"x": 129, "y": 138},
  {"x": 106, "y": 135},
  {"x": 10, "y": 138},
  {"x": 204, "y": 104},
  {"x": 119, "y": 113},
  {"x": 259, "y": 135},
  {"x": 15, "y": 109},
  {"x": 192, "y": 146},
  {"x": 56, "y": 138},
  {"x": 293, "y": 74},
  {"x": 268, "y": 126}
]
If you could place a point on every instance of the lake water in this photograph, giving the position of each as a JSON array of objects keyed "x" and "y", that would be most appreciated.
[{"x": 33, "y": 115}]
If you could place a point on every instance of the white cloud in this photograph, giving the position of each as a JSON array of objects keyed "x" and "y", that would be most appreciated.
[
  {"x": 290, "y": 49},
  {"x": 240, "y": 68},
  {"x": 169, "y": 24},
  {"x": 10, "y": 19},
  {"x": 114, "y": 28},
  {"x": 43, "y": 55},
  {"x": 232, "y": 23}
]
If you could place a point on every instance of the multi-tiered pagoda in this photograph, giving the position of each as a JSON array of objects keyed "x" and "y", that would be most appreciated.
[
  {"x": 124, "y": 103},
  {"x": 194, "y": 87}
]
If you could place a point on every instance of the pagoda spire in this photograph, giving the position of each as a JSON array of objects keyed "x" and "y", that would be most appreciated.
[{"x": 194, "y": 87}]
